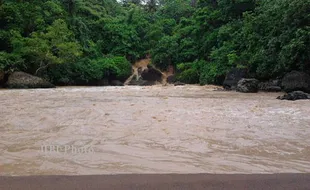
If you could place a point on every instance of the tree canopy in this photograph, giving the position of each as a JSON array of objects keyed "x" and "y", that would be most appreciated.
[{"x": 68, "y": 40}]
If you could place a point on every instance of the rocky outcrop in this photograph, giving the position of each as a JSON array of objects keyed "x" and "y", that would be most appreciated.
[
  {"x": 270, "y": 86},
  {"x": 232, "y": 78},
  {"x": 152, "y": 74},
  {"x": 247, "y": 85},
  {"x": 296, "y": 95},
  {"x": 296, "y": 81},
  {"x": 145, "y": 76},
  {"x": 24, "y": 80}
]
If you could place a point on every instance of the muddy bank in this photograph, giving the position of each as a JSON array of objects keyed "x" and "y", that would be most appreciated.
[{"x": 131, "y": 129}]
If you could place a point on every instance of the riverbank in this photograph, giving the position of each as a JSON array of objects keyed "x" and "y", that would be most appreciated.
[{"x": 163, "y": 182}]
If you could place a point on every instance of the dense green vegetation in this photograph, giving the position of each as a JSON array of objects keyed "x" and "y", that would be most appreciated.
[{"x": 80, "y": 41}]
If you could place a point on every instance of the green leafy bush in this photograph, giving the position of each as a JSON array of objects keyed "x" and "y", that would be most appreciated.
[
  {"x": 189, "y": 72},
  {"x": 88, "y": 71},
  {"x": 11, "y": 62}
]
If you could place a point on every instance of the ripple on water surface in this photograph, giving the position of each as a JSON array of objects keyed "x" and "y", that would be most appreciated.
[{"x": 132, "y": 129}]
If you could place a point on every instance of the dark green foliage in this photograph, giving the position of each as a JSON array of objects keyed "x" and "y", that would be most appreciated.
[
  {"x": 165, "y": 51},
  {"x": 88, "y": 71},
  {"x": 83, "y": 41},
  {"x": 269, "y": 37},
  {"x": 188, "y": 73},
  {"x": 10, "y": 61},
  {"x": 277, "y": 37}
]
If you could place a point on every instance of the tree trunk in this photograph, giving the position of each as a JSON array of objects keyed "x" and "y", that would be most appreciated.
[{"x": 41, "y": 67}]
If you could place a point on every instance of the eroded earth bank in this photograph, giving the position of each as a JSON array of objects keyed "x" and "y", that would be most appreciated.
[{"x": 156, "y": 129}]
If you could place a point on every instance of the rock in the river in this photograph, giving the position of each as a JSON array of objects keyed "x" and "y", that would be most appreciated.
[
  {"x": 296, "y": 81},
  {"x": 247, "y": 85},
  {"x": 151, "y": 74},
  {"x": 233, "y": 77},
  {"x": 270, "y": 86},
  {"x": 296, "y": 95},
  {"x": 24, "y": 80}
]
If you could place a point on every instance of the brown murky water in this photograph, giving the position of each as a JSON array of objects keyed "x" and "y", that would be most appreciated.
[{"x": 189, "y": 129}]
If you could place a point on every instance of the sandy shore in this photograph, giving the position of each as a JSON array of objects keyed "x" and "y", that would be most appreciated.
[{"x": 160, "y": 182}]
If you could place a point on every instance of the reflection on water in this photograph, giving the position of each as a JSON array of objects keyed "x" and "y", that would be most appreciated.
[{"x": 189, "y": 129}]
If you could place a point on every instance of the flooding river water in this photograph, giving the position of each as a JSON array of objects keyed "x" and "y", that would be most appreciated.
[{"x": 187, "y": 129}]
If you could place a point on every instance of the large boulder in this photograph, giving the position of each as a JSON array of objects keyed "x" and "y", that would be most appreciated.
[
  {"x": 247, "y": 85},
  {"x": 296, "y": 95},
  {"x": 296, "y": 81},
  {"x": 232, "y": 78},
  {"x": 270, "y": 86},
  {"x": 24, "y": 80},
  {"x": 152, "y": 74}
]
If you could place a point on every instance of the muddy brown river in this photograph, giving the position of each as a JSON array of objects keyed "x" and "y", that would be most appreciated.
[{"x": 131, "y": 129}]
